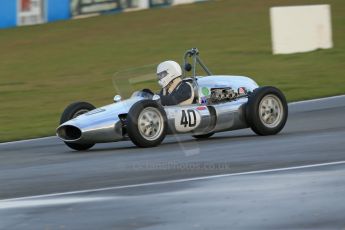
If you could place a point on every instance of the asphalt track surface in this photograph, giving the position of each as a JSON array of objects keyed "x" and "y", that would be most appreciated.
[{"x": 234, "y": 180}]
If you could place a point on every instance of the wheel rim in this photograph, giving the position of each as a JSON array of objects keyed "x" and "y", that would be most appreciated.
[
  {"x": 150, "y": 123},
  {"x": 80, "y": 112},
  {"x": 271, "y": 111}
]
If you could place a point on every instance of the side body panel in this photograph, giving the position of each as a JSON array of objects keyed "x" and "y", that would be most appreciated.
[{"x": 197, "y": 119}]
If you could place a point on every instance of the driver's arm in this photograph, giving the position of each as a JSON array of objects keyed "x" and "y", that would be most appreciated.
[{"x": 182, "y": 93}]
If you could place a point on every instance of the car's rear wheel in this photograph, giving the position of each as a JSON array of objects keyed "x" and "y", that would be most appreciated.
[
  {"x": 72, "y": 111},
  {"x": 146, "y": 123},
  {"x": 266, "y": 110}
]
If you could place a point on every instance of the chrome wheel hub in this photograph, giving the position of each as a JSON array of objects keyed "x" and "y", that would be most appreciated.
[
  {"x": 150, "y": 123},
  {"x": 271, "y": 111}
]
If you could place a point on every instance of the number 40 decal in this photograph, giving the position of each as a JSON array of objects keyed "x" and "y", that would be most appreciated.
[{"x": 188, "y": 118}]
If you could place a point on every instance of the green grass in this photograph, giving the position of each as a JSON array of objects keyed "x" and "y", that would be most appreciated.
[{"x": 43, "y": 68}]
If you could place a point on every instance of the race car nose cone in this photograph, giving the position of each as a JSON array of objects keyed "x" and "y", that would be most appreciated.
[{"x": 69, "y": 133}]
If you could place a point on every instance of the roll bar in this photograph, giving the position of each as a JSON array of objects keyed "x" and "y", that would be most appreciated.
[{"x": 194, "y": 55}]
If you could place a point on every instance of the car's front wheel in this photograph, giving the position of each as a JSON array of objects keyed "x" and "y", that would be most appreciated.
[
  {"x": 72, "y": 111},
  {"x": 146, "y": 123},
  {"x": 266, "y": 110}
]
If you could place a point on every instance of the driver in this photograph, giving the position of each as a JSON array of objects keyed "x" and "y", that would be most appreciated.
[{"x": 174, "y": 90}]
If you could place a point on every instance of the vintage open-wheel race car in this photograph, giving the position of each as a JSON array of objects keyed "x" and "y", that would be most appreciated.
[{"x": 221, "y": 103}]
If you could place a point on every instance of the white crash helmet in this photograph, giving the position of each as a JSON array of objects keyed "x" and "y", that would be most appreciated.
[{"x": 168, "y": 71}]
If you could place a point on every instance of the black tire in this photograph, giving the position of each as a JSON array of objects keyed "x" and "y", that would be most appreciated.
[
  {"x": 73, "y": 110},
  {"x": 133, "y": 129},
  {"x": 203, "y": 136},
  {"x": 278, "y": 109}
]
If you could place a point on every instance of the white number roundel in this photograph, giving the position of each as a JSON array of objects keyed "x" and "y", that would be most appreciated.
[{"x": 186, "y": 120}]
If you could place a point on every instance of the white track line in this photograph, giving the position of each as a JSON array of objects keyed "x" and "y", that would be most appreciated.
[
  {"x": 28, "y": 140},
  {"x": 49, "y": 202},
  {"x": 291, "y": 103},
  {"x": 174, "y": 181},
  {"x": 317, "y": 100}
]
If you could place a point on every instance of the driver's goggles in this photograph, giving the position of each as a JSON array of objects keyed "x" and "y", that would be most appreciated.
[{"x": 162, "y": 74}]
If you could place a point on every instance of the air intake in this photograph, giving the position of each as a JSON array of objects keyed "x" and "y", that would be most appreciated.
[{"x": 69, "y": 133}]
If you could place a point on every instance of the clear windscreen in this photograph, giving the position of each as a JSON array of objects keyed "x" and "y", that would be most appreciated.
[
  {"x": 137, "y": 81},
  {"x": 145, "y": 93}
]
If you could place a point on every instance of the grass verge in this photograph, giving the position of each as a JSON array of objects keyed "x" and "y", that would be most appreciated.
[{"x": 46, "y": 67}]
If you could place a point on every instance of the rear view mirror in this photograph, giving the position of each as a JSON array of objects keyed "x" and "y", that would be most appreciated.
[{"x": 117, "y": 98}]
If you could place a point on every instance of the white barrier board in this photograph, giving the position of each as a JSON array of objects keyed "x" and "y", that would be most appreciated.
[
  {"x": 297, "y": 29},
  {"x": 177, "y": 2}
]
